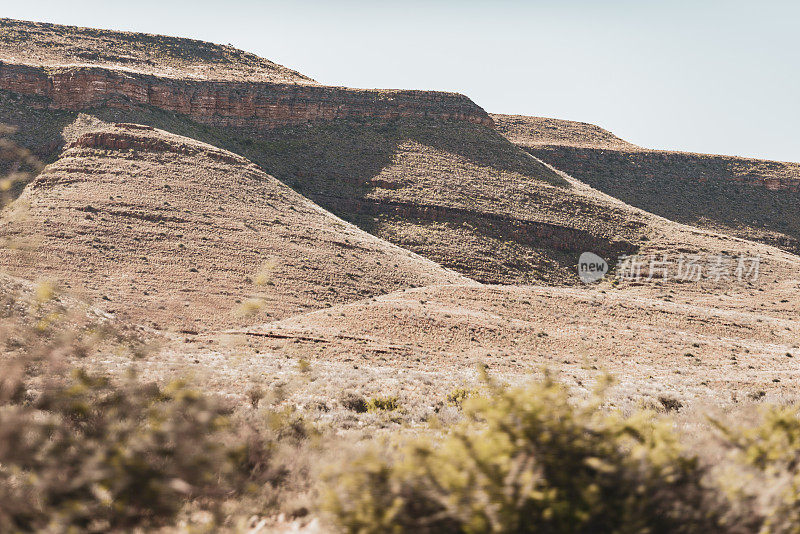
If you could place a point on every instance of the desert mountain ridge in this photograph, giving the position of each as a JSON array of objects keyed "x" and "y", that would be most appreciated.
[
  {"x": 405, "y": 231},
  {"x": 57, "y": 45},
  {"x": 321, "y": 270}
]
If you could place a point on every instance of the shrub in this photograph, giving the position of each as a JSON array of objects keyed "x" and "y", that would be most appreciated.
[
  {"x": 96, "y": 456},
  {"x": 459, "y": 395},
  {"x": 525, "y": 460},
  {"x": 354, "y": 402},
  {"x": 254, "y": 395},
  {"x": 766, "y": 469},
  {"x": 383, "y": 404},
  {"x": 670, "y": 403},
  {"x": 17, "y": 165}
]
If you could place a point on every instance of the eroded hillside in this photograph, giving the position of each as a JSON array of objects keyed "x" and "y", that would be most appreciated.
[
  {"x": 171, "y": 232},
  {"x": 450, "y": 189},
  {"x": 749, "y": 198}
]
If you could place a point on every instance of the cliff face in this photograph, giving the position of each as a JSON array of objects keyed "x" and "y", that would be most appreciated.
[{"x": 228, "y": 103}]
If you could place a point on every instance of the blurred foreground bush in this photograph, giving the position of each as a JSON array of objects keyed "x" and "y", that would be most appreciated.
[
  {"x": 81, "y": 452},
  {"x": 763, "y": 474},
  {"x": 530, "y": 460},
  {"x": 96, "y": 456}
]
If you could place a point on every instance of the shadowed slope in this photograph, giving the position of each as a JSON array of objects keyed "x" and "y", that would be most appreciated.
[
  {"x": 455, "y": 192},
  {"x": 173, "y": 231},
  {"x": 749, "y": 198}
]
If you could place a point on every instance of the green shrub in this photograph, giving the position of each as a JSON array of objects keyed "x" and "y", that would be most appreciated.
[
  {"x": 529, "y": 460},
  {"x": 459, "y": 395},
  {"x": 383, "y": 404}
]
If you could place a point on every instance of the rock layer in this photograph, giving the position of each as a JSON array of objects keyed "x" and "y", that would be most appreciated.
[{"x": 257, "y": 105}]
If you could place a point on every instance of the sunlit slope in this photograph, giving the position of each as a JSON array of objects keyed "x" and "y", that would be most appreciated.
[{"x": 39, "y": 43}]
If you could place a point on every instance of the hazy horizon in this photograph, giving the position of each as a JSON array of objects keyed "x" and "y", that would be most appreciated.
[{"x": 715, "y": 77}]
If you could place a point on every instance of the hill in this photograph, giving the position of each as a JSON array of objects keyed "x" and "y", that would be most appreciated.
[
  {"x": 708, "y": 340},
  {"x": 456, "y": 192},
  {"x": 745, "y": 197},
  {"x": 171, "y": 232},
  {"x": 56, "y": 45},
  {"x": 423, "y": 170}
]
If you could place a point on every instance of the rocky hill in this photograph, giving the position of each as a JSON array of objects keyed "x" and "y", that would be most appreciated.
[
  {"x": 170, "y": 232},
  {"x": 69, "y": 68},
  {"x": 750, "y": 198},
  {"x": 423, "y": 170}
]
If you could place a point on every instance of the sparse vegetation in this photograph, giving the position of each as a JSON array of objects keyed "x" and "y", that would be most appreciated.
[
  {"x": 355, "y": 402},
  {"x": 670, "y": 404},
  {"x": 459, "y": 395},
  {"x": 533, "y": 459},
  {"x": 765, "y": 476},
  {"x": 97, "y": 456}
]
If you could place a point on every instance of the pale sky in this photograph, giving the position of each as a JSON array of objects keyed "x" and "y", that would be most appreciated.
[{"x": 717, "y": 77}]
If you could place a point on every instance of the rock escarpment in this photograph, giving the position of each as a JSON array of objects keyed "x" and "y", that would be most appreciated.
[
  {"x": 259, "y": 105},
  {"x": 71, "y": 68}
]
